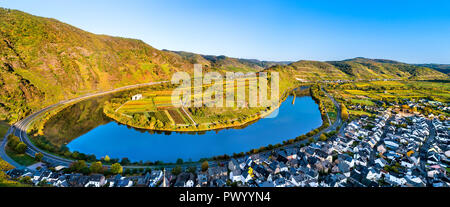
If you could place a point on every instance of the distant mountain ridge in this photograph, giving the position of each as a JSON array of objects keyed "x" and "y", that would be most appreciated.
[
  {"x": 228, "y": 63},
  {"x": 443, "y": 68},
  {"x": 43, "y": 61},
  {"x": 359, "y": 69}
]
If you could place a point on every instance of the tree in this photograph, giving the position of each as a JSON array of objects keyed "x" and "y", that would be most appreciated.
[
  {"x": 344, "y": 112},
  {"x": 205, "y": 166},
  {"x": 176, "y": 170},
  {"x": 77, "y": 166},
  {"x": 107, "y": 159},
  {"x": 125, "y": 161},
  {"x": 38, "y": 156},
  {"x": 75, "y": 155},
  {"x": 21, "y": 148},
  {"x": 179, "y": 161},
  {"x": 116, "y": 168},
  {"x": 26, "y": 180},
  {"x": 96, "y": 167},
  {"x": 13, "y": 141},
  {"x": 323, "y": 137}
]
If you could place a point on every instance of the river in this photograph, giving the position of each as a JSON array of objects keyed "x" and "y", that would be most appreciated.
[{"x": 119, "y": 141}]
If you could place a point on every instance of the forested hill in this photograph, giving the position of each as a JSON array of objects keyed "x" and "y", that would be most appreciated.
[
  {"x": 43, "y": 61},
  {"x": 225, "y": 63},
  {"x": 359, "y": 69}
]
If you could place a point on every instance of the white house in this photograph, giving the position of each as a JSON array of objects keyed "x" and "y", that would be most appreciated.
[
  {"x": 136, "y": 97},
  {"x": 373, "y": 175},
  {"x": 236, "y": 176},
  {"x": 189, "y": 184},
  {"x": 96, "y": 181}
]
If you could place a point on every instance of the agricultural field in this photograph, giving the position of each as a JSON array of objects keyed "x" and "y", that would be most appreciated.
[
  {"x": 138, "y": 106},
  {"x": 178, "y": 117},
  {"x": 379, "y": 90},
  {"x": 362, "y": 102},
  {"x": 366, "y": 95}
]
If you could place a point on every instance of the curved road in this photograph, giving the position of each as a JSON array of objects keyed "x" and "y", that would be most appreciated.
[{"x": 19, "y": 129}]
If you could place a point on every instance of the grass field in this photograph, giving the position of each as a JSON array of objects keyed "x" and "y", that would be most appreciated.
[
  {"x": 359, "y": 113},
  {"x": 138, "y": 106},
  {"x": 22, "y": 159},
  {"x": 3, "y": 129},
  {"x": 362, "y": 102}
]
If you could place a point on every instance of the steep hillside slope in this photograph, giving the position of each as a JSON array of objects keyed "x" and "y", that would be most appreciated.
[
  {"x": 44, "y": 61},
  {"x": 315, "y": 70}
]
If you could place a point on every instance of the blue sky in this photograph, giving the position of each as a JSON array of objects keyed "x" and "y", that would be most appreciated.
[{"x": 409, "y": 31}]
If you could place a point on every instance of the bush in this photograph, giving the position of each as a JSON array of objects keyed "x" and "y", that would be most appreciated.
[
  {"x": 176, "y": 170},
  {"x": 77, "y": 166},
  {"x": 116, "y": 168},
  {"x": 205, "y": 166},
  {"x": 38, "y": 156},
  {"x": 21, "y": 148},
  {"x": 13, "y": 141},
  {"x": 323, "y": 137},
  {"x": 96, "y": 167},
  {"x": 179, "y": 161}
]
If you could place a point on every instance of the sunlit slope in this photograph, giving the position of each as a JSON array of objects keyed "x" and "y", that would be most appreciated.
[
  {"x": 44, "y": 61},
  {"x": 358, "y": 69}
]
